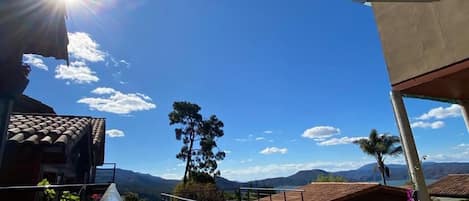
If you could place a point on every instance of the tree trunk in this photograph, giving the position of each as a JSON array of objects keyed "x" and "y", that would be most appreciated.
[
  {"x": 382, "y": 169},
  {"x": 189, "y": 158}
]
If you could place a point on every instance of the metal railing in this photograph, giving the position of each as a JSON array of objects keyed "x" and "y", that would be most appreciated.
[
  {"x": 81, "y": 190},
  {"x": 169, "y": 197},
  {"x": 261, "y": 192},
  {"x": 106, "y": 173}
]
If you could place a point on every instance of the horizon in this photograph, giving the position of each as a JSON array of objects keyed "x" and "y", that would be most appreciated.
[{"x": 294, "y": 83}]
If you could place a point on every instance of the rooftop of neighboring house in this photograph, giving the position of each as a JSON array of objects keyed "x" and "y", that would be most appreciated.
[
  {"x": 453, "y": 185},
  {"x": 342, "y": 191}
]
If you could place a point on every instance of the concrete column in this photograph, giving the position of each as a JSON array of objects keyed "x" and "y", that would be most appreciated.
[
  {"x": 408, "y": 144},
  {"x": 465, "y": 112}
]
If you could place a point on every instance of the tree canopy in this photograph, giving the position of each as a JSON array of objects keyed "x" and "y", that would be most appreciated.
[
  {"x": 199, "y": 137},
  {"x": 379, "y": 146}
]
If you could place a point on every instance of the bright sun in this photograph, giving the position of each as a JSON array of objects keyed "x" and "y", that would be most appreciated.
[{"x": 70, "y": 3}]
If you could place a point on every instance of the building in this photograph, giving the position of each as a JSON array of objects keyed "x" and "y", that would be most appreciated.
[
  {"x": 342, "y": 191},
  {"x": 63, "y": 149},
  {"x": 454, "y": 187}
]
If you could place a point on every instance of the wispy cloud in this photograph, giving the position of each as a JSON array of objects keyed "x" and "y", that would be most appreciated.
[
  {"x": 442, "y": 113},
  {"x": 117, "y": 102},
  {"x": 83, "y": 48},
  {"x": 268, "y": 132},
  {"x": 246, "y": 161},
  {"x": 339, "y": 141},
  {"x": 115, "y": 133},
  {"x": 260, "y": 138},
  {"x": 424, "y": 124},
  {"x": 35, "y": 60},
  {"x": 78, "y": 72},
  {"x": 320, "y": 132},
  {"x": 273, "y": 150}
]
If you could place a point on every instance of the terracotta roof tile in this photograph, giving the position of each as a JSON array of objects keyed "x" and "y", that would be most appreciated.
[
  {"x": 53, "y": 129},
  {"x": 453, "y": 185},
  {"x": 329, "y": 191}
]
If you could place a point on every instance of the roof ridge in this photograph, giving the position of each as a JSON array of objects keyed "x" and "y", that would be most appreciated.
[
  {"x": 56, "y": 115},
  {"x": 375, "y": 183}
]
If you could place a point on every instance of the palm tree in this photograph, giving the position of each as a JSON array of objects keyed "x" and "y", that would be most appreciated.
[{"x": 379, "y": 146}]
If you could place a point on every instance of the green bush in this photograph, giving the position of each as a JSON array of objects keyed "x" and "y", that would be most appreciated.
[
  {"x": 330, "y": 178},
  {"x": 198, "y": 191}
]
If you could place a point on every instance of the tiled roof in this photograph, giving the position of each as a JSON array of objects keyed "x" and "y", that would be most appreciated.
[
  {"x": 56, "y": 130},
  {"x": 329, "y": 191},
  {"x": 453, "y": 185}
]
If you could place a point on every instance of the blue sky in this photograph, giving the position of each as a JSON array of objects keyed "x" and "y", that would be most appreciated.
[{"x": 294, "y": 82}]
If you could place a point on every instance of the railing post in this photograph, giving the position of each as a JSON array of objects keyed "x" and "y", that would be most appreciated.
[
  {"x": 302, "y": 196},
  {"x": 270, "y": 195},
  {"x": 258, "y": 198},
  {"x": 284, "y": 196}
]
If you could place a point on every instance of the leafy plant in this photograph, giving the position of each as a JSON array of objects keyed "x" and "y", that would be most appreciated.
[
  {"x": 380, "y": 146},
  {"x": 198, "y": 191},
  {"x": 50, "y": 194}
]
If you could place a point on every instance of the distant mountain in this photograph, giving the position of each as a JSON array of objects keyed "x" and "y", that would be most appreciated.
[
  {"x": 145, "y": 185},
  {"x": 150, "y": 187}
]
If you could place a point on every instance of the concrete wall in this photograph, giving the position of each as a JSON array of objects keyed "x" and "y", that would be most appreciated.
[{"x": 419, "y": 38}]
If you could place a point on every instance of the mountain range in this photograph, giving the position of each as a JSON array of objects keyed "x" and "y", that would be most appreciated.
[{"x": 150, "y": 187}]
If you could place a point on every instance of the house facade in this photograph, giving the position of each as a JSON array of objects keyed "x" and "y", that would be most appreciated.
[{"x": 63, "y": 149}]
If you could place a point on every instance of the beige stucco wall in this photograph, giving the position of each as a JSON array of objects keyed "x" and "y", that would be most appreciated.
[{"x": 418, "y": 38}]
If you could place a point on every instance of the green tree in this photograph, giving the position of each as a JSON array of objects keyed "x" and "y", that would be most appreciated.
[
  {"x": 330, "y": 178},
  {"x": 193, "y": 128},
  {"x": 130, "y": 196},
  {"x": 380, "y": 146}
]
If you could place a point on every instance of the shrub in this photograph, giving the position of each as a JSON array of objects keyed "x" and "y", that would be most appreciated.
[{"x": 198, "y": 191}]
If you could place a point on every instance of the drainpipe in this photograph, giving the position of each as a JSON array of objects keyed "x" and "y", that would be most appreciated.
[
  {"x": 465, "y": 112},
  {"x": 408, "y": 144}
]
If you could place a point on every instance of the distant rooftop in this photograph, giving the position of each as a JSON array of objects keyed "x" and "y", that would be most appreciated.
[
  {"x": 453, "y": 185},
  {"x": 343, "y": 191}
]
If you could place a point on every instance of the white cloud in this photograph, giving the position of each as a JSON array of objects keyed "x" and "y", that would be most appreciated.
[
  {"x": 463, "y": 145},
  {"x": 442, "y": 112},
  {"x": 246, "y": 161},
  {"x": 260, "y": 138},
  {"x": 35, "y": 60},
  {"x": 227, "y": 151},
  {"x": 281, "y": 170},
  {"x": 171, "y": 176},
  {"x": 117, "y": 102},
  {"x": 115, "y": 133},
  {"x": 320, "y": 132},
  {"x": 460, "y": 156},
  {"x": 274, "y": 150},
  {"x": 78, "y": 72},
  {"x": 339, "y": 141},
  {"x": 82, "y": 47},
  {"x": 268, "y": 132},
  {"x": 432, "y": 125},
  {"x": 103, "y": 90}
]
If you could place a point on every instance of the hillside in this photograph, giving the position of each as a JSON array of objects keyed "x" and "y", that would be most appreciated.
[
  {"x": 150, "y": 187},
  {"x": 145, "y": 185}
]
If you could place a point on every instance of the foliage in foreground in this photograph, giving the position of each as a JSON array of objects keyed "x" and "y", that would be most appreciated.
[
  {"x": 330, "y": 178},
  {"x": 50, "y": 194},
  {"x": 198, "y": 191},
  {"x": 129, "y": 196}
]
